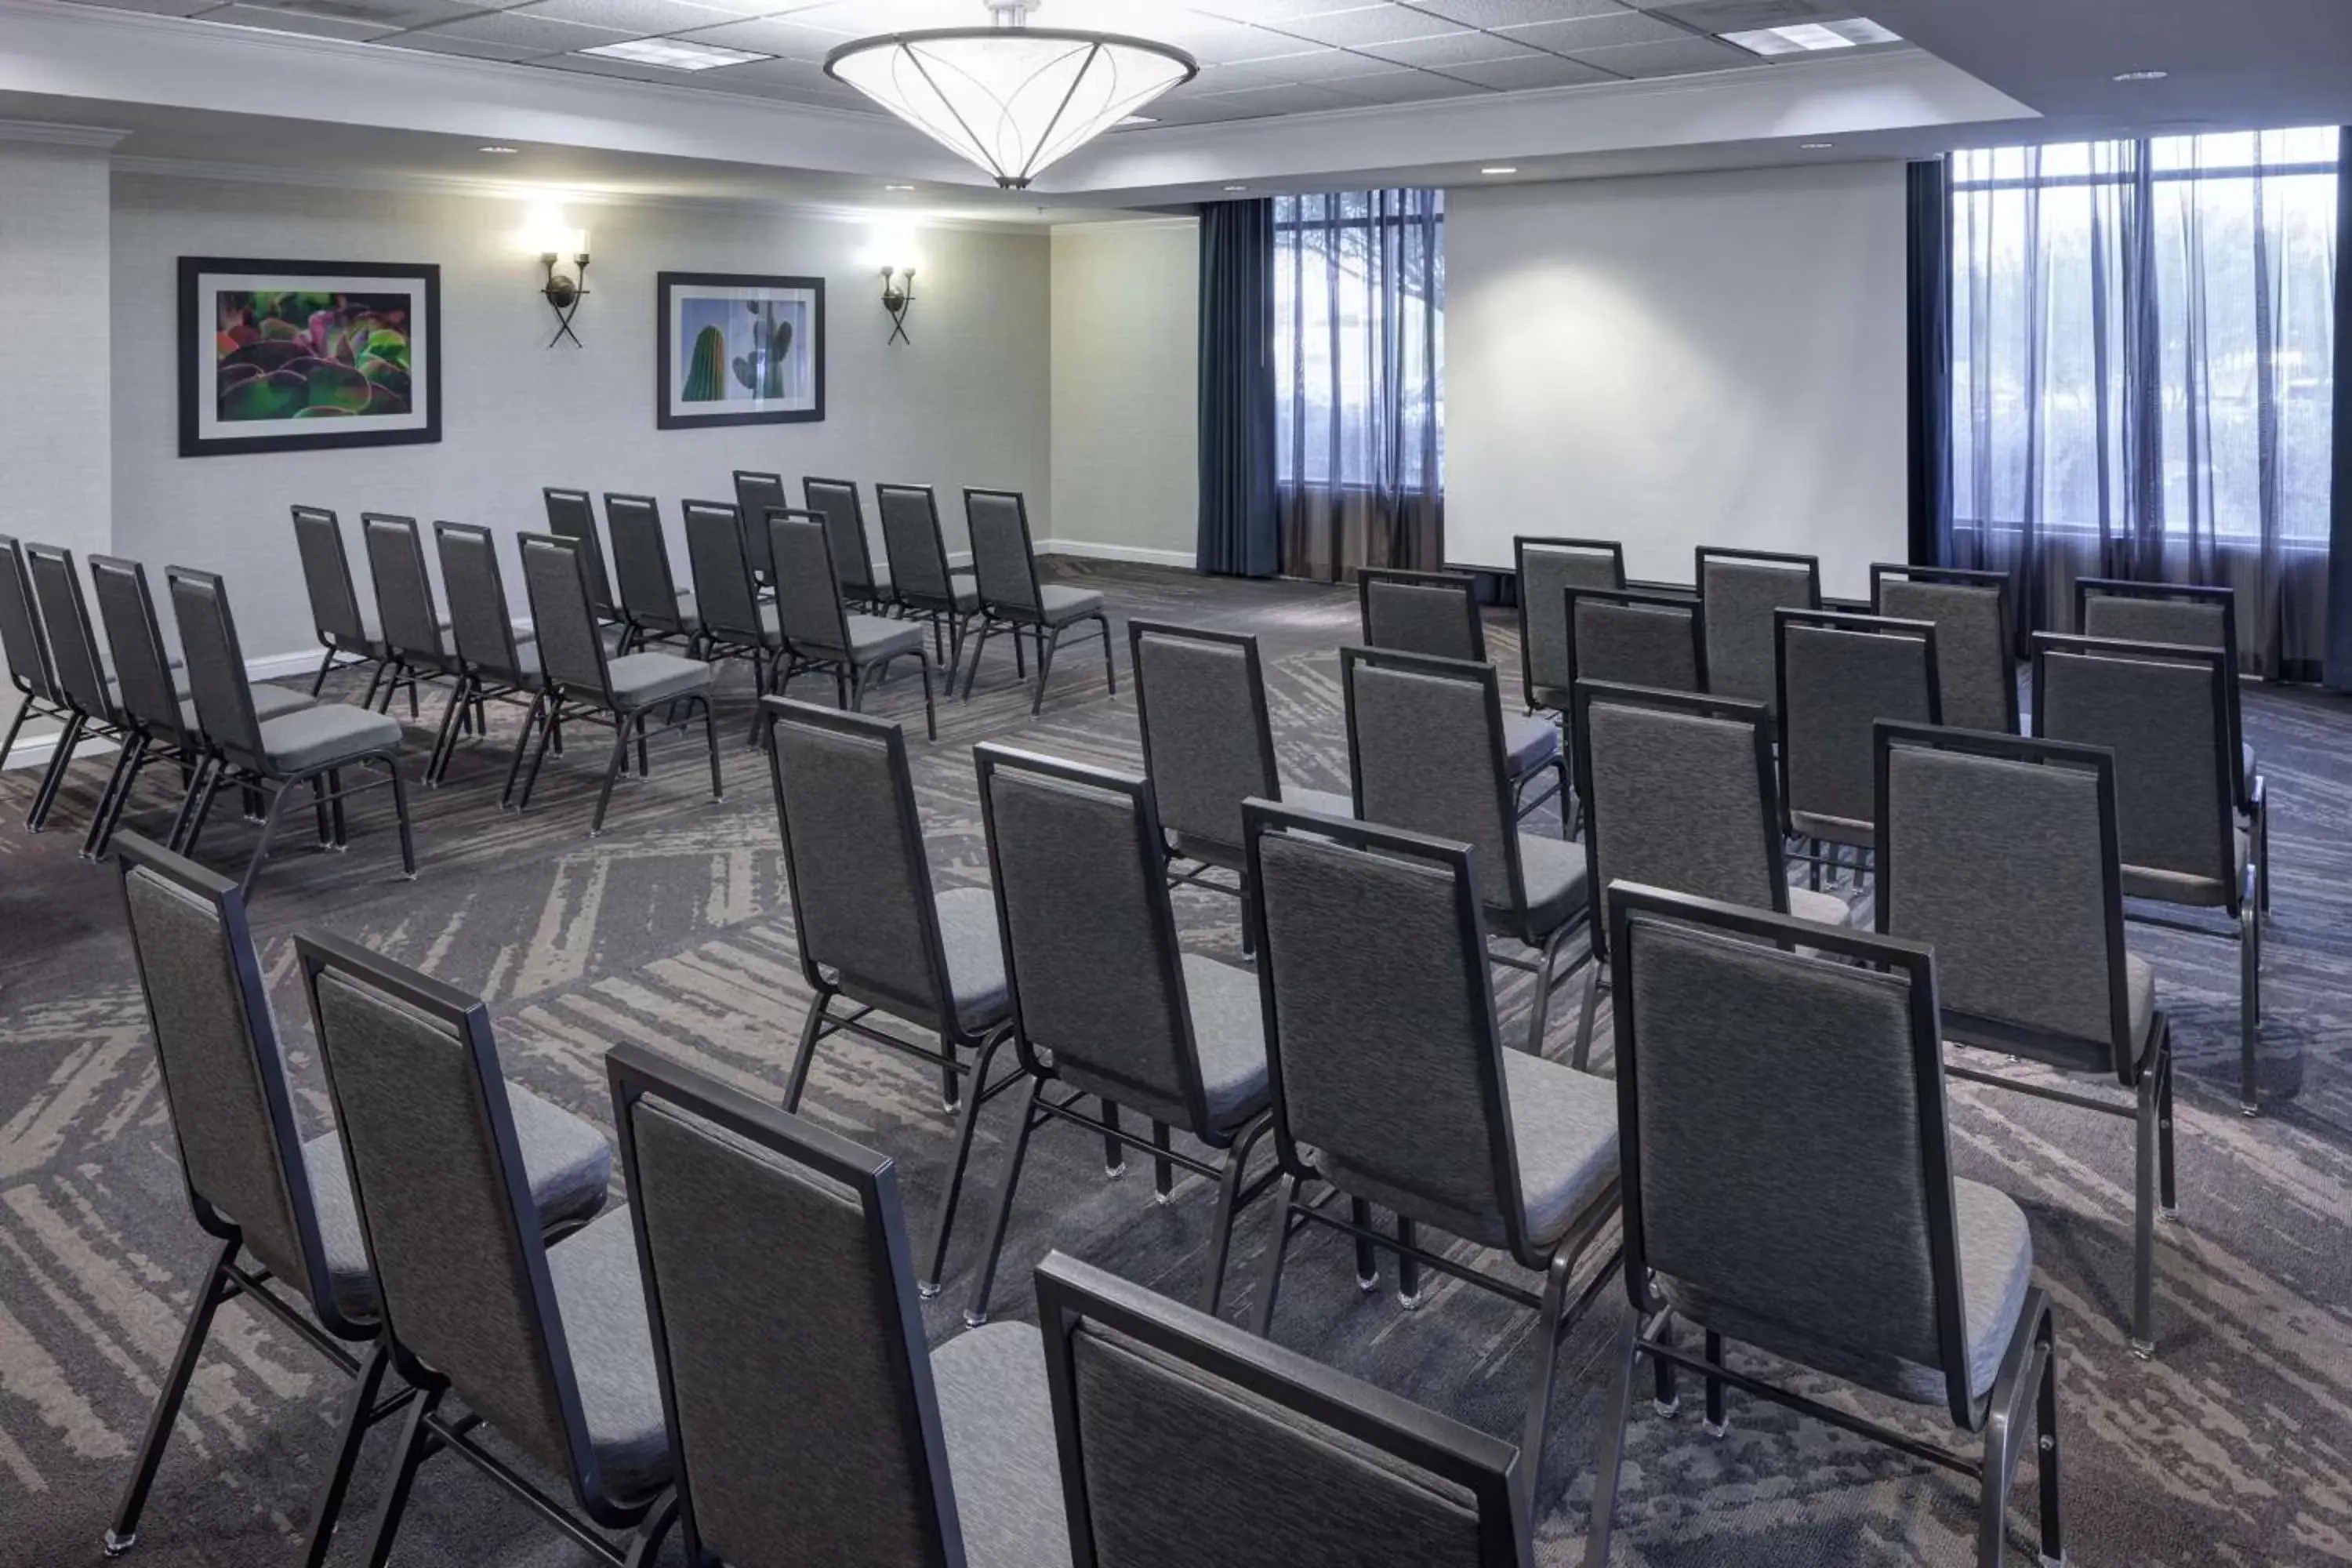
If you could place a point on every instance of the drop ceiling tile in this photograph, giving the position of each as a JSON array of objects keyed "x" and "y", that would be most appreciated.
[
  {"x": 1271, "y": 13},
  {"x": 811, "y": 97},
  {"x": 1212, "y": 38},
  {"x": 641, "y": 17},
  {"x": 1368, "y": 25},
  {"x": 857, "y": 18},
  {"x": 1322, "y": 64},
  {"x": 799, "y": 74},
  {"x": 1403, "y": 87},
  {"x": 1681, "y": 58},
  {"x": 1449, "y": 50},
  {"x": 769, "y": 36},
  {"x": 1533, "y": 70},
  {"x": 1293, "y": 98},
  {"x": 271, "y": 19},
  {"x": 1575, "y": 36},
  {"x": 153, "y": 7},
  {"x": 627, "y": 71},
  {"x": 539, "y": 35},
  {"x": 1516, "y": 12},
  {"x": 436, "y": 43}
]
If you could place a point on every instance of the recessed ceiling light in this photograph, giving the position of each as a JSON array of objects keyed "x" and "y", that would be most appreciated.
[
  {"x": 1814, "y": 146},
  {"x": 677, "y": 54},
  {"x": 1804, "y": 38},
  {"x": 1237, "y": 188},
  {"x": 1138, "y": 120},
  {"x": 502, "y": 151},
  {"x": 1500, "y": 169},
  {"x": 2142, "y": 76},
  {"x": 897, "y": 187}
]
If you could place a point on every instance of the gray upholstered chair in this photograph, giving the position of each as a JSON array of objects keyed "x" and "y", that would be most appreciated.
[
  {"x": 811, "y": 1422},
  {"x": 1104, "y": 1001},
  {"x": 1283, "y": 1462},
  {"x": 579, "y": 682},
  {"x": 757, "y": 495},
  {"x": 278, "y": 1206},
  {"x": 837, "y": 502},
  {"x": 872, "y": 931},
  {"x": 547, "y": 1346},
  {"x": 1680, "y": 793},
  {"x": 735, "y": 624},
  {"x": 572, "y": 514},
  {"x": 1788, "y": 1184},
  {"x": 1549, "y": 568},
  {"x": 1425, "y": 753},
  {"x": 1391, "y": 1083},
  {"x": 1635, "y": 639},
  {"x": 1739, "y": 591},
  {"x": 2001, "y": 854},
  {"x": 1013, "y": 600},
  {"x": 344, "y": 630},
  {"x": 26, "y": 649},
  {"x": 78, "y": 676},
  {"x": 274, "y": 757},
  {"x": 1975, "y": 646},
  {"x": 2163, "y": 710},
  {"x": 923, "y": 585},
  {"x": 819, "y": 629},
  {"x": 652, "y": 604},
  {"x": 495, "y": 663},
  {"x": 1836, "y": 676},
  {"x": 417, "y": 634}
]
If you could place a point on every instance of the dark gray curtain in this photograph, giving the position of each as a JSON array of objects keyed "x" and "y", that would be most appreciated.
[
  {"x": 1359, "y": 299},
  {"x": 2340, "y": 554},
  {"x": 1238, "y": 534},
  {"x": 1928, "y": 195}
]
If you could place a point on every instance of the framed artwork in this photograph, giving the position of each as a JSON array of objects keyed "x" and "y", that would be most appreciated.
[
  {"x": 285, "y": 356},
  {"x": 737, "y": 349}
]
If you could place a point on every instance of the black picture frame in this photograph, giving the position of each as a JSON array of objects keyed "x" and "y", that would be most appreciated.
[
  {"x": 205, "y": 434},
  {"x": 671, "y": 409}
]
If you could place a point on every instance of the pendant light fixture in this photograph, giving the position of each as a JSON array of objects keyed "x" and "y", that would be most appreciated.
[{"x": 1009, "y": 97}]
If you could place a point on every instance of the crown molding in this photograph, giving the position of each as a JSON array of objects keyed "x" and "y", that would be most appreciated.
[{"x": 43, "y": 134}]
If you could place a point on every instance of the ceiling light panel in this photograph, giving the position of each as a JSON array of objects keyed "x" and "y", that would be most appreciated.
[
  {"x": 1808, "y": 37},
  {"x": 673, "y": 54}
]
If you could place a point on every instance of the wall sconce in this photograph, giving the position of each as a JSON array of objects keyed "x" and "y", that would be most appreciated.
[
  {"x": 545, "y": 235},
  {"x": 896, "y": 299},
  {"x": 564, "y": 294}
]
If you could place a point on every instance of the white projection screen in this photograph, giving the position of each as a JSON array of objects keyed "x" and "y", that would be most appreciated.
[{"x": 1680, "y": 360}]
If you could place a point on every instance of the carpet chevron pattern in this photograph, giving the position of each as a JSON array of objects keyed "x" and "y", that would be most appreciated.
[{"x": 673, "y": 931}]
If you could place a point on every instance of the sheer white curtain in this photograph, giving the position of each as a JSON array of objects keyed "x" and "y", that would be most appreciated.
[{"x": 2143, "y": 341}]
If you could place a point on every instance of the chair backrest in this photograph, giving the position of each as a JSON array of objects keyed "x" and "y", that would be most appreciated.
[
  {"x": 479, "y": 622},
  {"x": 796, "y": 1377},
  {"x": 725, "y": 594},
  {"x": 1426, "y": 753},
  {"x": 1433, "y": 612},
  {"x": 1380, "y": 1018},
  {"x": 1975, "y": 651},
  {"x": 1781, "y": 1116},
  {"x": 808, "y": 592},
  {"x": 1678, "y": 793},
  {"x": 1208, "y": 744},
  {"x": 914, "y": 546},
  {"x": 404, "y": 590},
  {"x": 845, "y": 519},
  {"x": 854, "y": 858},
  {"x": 563, "y": 625},
  {"x": 756, "y": 495},
  {"x": 1838, "y": 674},
  {"x": 21, "y": 638},
  {"x": 216, "y": 1056},
  {"x": 1090, "y": 947},
  {"x": 2001, "y": 852},
  {"x": 73, "y": 644},
  {"x": 1633, "y": 639},
  {"x": 443, "y": 1197},
  {"x": 143, "y": 667},
  {"x": 327, "y": 578},
  {"x": 1738, "y": 590},
  {"x": 641, "y": 574},
  {"x": 2193, "y": 616},
  {"x": 1283, "y": 1461},
  {"x": 2164, "y": 710},
  {"x": 1549, "y": 568},
  {"x": 215, "y": 658},
  {"x": 1002, "y": 559},
  {"x": 570, "y": 514}
]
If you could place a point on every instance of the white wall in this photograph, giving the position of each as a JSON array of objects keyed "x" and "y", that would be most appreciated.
[
  {"x": 1126, "y": 415},
  {"x": 1681, "y": 359},
  {"x": 966, "y": 403}
]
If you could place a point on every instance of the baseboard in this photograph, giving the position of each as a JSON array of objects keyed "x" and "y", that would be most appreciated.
[{"x": 1085, "y": 550}]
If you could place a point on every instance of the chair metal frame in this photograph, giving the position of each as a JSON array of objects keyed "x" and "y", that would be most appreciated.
[
  {"x": 750, "y": 519},
  {"x": 755, "y": 644},
  {"x": 942, "y": 613},
  {"x": 641, "y": 625},
  {"x": 600, "y": 578},
  {"x": 1462, "y": 581},
  {"x": 1613, "y": 549},
  {"x": 848, "y": 673},
  {"x": 341, "y": 654},
  {"x": 91, "y": 712},
  {"x": 35, "y": 678},
  {"x": 1819, "y": 853},
  {"x": 1702, "y": 554},
  {"x": 875, "y": 596},
  {"x": 1642, "y": 599},
  {"x": 411, "y": 665},
  {"x": 1960, "y": 577},
  {"x": 148, "y": 739},
  {"x": 480, "y": 682},
  {"x": 1014, "y": 619}
]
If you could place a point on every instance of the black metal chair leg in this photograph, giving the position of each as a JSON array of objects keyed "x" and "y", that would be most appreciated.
[
  {"x": 217, "y": 1286},
  {"x": 192, "y": 787},
  {"x": 54, "y": 778},
  {"x": 1368, "y": 1256},
  {"x": 978, "y": 647},
  {"x": 1549, "y": 1318},
  {"x": 1021, "y": 654},
  {"x": 15, "y": 725},
  {"x": 611, "y": 772},
  {"x": 1668, "y": 1403},
  {"x": 645, "y": 1546},
  {"x": 335, "y": 809},
  {"x": 1114, "y": 1151},
  {"x": 531, "y": 720},
  {"x": 268, "y": 828},
  {"x": 415, "y": 1446},
  {"x": 1717, "y": 1424},
  {"x": 1610, "y": 1460},
  {"x": 445, "y": 741},
  {"x": 2053, "y": 1532},
  {"x": 1269, "y": 1279},
  {"x": 811, "y": 1028},
  {"x": 1046, "y": 647},
  {"x": 2168, "y": 1198},
  {"x": 967, "y": 1122},
  {"x": 116, "y": 794},
  {"x": 1229, "y": 1200},
  {"x": 711, "y": 734},
  {"x": 1163, "y": 1171},
  {"x": 356, "y": 1422},
  {"x": 1408, "y": 1266},
  {"x": 325, "y": 820},
  {"x": 1110, "y": 667},
  {"x": 930, "y": 710},
  {"x": 977, "y": 1313},
  {"x": 200, "y": 805},
  {"x": 645, "y": 767},
  {"x": 318, "y": 681},
  {"x": 400, "y": 810}
]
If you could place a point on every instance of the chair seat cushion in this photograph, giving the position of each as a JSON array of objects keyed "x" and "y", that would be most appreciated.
[
  {"x": 600, "y": 1297},
  {"x": 325, "y": 734},
  {"x": 568, "y": 1162},
  {"x": 1555, "y": 872},
  {"x": 1229, "y": 1032},
  {"x": 876, "y": 638},
  {"x": 642, "y": 679},
  {"x": 1327, "y": 802},
  {"x": 975, "y": 956},
  {"x": 1996, "y": 1271},
  {"x": 2167, "y": 887},
  {"x": 1059, "y": 605},
  {"x": 1822, "y": 908},
  {"x": 1530, "y": 742},
  {"x": 996, "y": 1420},
  {"x": 1565, "y": 1125},
  {"x": 1834, "y": 829},
  {"x": 269, "y": 702}
]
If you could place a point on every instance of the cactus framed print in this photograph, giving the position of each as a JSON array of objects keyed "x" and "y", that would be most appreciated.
[
  {"x": 281, "y": 356},
  {"x": 740, "y": 350}
]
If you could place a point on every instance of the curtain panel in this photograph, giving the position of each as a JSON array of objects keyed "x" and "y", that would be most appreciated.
[
  {"x": 1238, "y": 532},
  {"x": 2338, "y": 673},
  {"x": 1928, "y": 195}
]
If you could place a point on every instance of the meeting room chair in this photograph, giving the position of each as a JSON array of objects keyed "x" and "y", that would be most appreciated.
[
  {"x": 1835, "y": 676},
  {"x": 1184, "y": 1438},
  {"x": 1425, "y": 753},
  {"x": 653, "y": 606},
  {"x": 1392, "y": 1084},
  {"x": 735, "y": 624},
  {"x": 79, "y": 678},
  {"x": 1738, "y": 592},
  {"x": 546, "y": 1346},
  {"x": 495, "y": 662},
  {"x": 757, "y": 495},
  {"x": 278, "y": 1206},
  {"x": 838, "y": 502},
  {"x": 27, "y": 647},
  {"x": 819, "y": 629},
  {"x": 1104, "y": 1001},
  {"x": 1760, "y": 1057},
  {"x": 871, "y": 931},
  {"x": 414, "y": 632},
  {"x": 582, "y": 684},
  {"x": 1548, "y": 569},
  {"x": 2163, "y": 708},
  {"x": 1680, "y": 793},
  {"x": 1012, "y": 599},
  {"x": 2001, "y": 853},
  {"x": 572, "y": 514},
  {"x": 1634, "y": 638},
  {"x": 273, "y": 758},
  {"x": 809, "y": 1420},
  {"x": 1975, "y": 641},
  {"x": 350, "y": 638},
  {"x": 924, "y": 585}
]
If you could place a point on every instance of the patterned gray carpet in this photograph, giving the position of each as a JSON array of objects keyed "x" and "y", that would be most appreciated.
[{"x": 673, "y": 931}]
